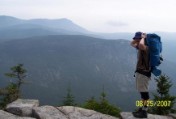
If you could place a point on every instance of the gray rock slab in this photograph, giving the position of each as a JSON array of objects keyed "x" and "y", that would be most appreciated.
[
  {"x": 173, "y": 115},
  {"x": 129, "y": 115},
  {"x": 6, "y": 115},
  {"x": 22, "y": 107},
  {"x": 80, "y": 113},
  {"x": 48, "y": 112}
]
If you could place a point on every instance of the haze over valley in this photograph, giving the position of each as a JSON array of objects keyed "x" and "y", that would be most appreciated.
[{"x": 58, "y": 53}]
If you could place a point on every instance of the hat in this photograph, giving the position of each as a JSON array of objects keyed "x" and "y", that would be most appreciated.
[{"x": 137, "y": 36}]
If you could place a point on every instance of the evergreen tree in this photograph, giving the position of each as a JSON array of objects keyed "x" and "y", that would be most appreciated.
[
  {"x": 91, "y": 104},
  {"x": 12, "y": 91},
  {"x": 102, "y": 106},
  {"x": 19, "y": 73},
  {"x": 164, "y": 102},
  {"x": 106, "y": 108},
  {"x": 69, "y": 99},
  {"x": 9, "y": 94}
]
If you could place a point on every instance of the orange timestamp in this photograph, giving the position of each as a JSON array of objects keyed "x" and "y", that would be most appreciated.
[{"x": 151, "y": 103}]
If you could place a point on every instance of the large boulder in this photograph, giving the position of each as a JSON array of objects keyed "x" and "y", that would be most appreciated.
[
  {"x": 26, "y": 109},
  {"x": 173, "y": 115},
  {"x": 48, "y": 112},
  {"x": 6, "y": 115},
  {"x": 67, "y": 112},
  {"x": 129, "y": 115},
  {"x": 22, "y": 107},
  {"x": 80, "y": 113}
]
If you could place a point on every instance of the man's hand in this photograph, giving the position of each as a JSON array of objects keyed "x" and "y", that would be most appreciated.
[{"x": 144, "y": 35}]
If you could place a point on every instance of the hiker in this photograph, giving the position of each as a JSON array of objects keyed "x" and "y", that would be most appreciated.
[{"x": 142, "y": 73}]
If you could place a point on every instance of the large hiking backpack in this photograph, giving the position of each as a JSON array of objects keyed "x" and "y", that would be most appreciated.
[{"x": 155, "y": 48}]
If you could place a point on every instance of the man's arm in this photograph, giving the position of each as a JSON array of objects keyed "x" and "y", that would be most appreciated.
[
  {"x": 142, "y": 45},
  {"x": 134, "y": 43}
]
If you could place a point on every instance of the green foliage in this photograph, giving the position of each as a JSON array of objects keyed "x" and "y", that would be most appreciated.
[
  {"x": 69, "y": 99},
  {"x": 102, "y": 106},
  {"x": 9, "y": 94},
  {"x": 12, "y": 91},
  {"x": 19, "y": 73},
  {"x": 91, "y": 104},
  {"x": 163, "y": 86}
]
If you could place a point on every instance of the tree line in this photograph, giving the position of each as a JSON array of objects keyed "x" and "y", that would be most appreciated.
[{"x": 13, "y": 91}]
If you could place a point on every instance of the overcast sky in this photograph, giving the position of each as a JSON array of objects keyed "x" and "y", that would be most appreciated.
[{"x": 100, "y": 15}]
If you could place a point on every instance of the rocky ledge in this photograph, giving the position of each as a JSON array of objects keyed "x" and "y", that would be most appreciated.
[{"x": 30, "y": 109}]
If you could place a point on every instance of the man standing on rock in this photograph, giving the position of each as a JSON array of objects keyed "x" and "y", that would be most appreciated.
[{"x": 143, "y": 72}]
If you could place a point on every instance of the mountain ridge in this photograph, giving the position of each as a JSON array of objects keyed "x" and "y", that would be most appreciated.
[
  {"x": 53, "y": 62},
  {"x": 86, "y": 63},
  {"x": 56, "y": 58},
  {"x": 11, "y": 27}
]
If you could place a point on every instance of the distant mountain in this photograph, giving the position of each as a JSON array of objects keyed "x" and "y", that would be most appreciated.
[
  {"x": 64, "y": 24},
  {"x": 6, "y": 21},
  {"x": 40, "y": 27},
  {"x": 87, "y": 64},
  {"x": 13, "y": 28},
  {"x": 58, "y": 53}
]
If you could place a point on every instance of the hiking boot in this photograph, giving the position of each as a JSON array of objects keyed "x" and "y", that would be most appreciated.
[
  {"x": 140, "y": 114},
  {"x": 139, "y": 110}
]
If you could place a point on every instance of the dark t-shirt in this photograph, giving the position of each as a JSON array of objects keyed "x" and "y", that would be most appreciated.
[{"x": 143, "y": 66}]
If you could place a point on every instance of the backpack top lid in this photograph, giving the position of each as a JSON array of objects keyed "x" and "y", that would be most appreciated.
[
  {"x": 154, "y": 41},
  {"x": 153, "y": 35}
]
